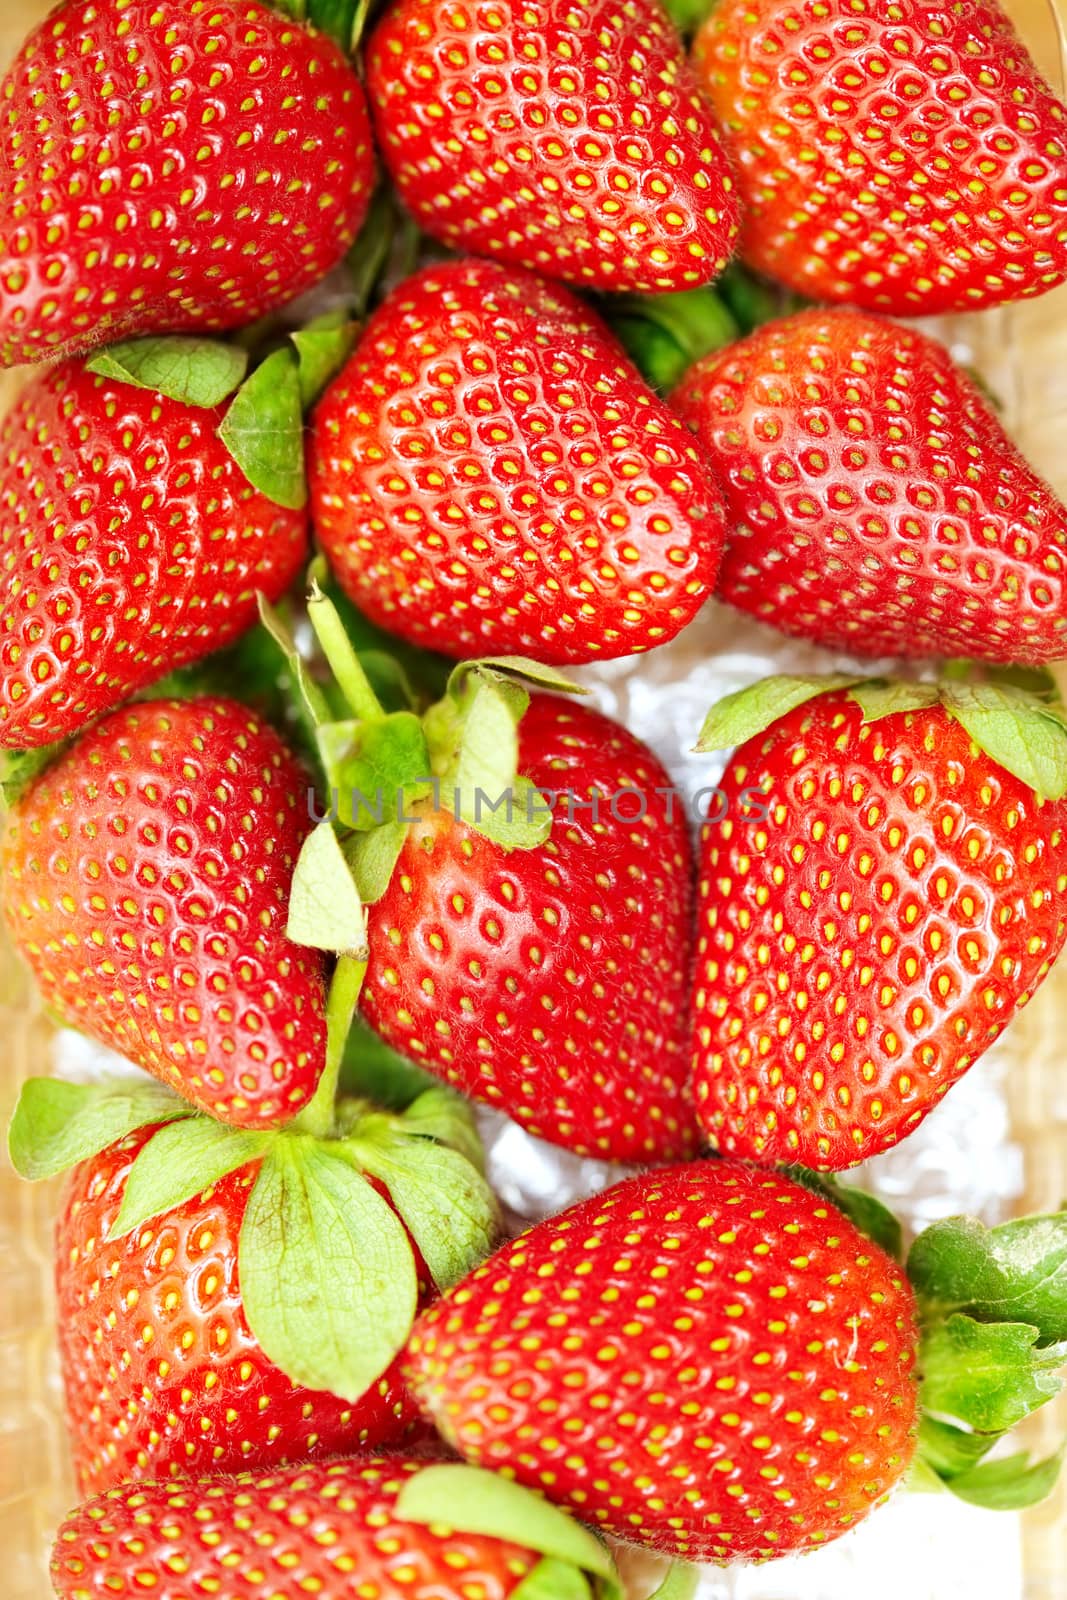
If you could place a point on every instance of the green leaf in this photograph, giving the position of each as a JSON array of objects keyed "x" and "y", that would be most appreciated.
[
  {"x": 516, "y": 817},
  {"x": 1009, "y": 1483},
  {"x": 379, "y": 767},
  {"x": 679, "y": 1583},
  {"x": 335, "y": 17},
  {"x": 322, "y": 348},
  {"x": 742, "y": 715},
  {"x": 58, "y": 1124},
  {"x": 1021, "y": 733},
  {"x": 369, "y": 256},
  {"x": 198, "y": 372},
  {"x": 877, "y": 699},
  {"x": 440, "y": 1114},
  {"x": 327, "y": 1274},
  {"x": 18, "y": 768},
  {"x": 987, "y": 1375},
  {"x": 522, "y": 668},
  {"x": 664, "y": 334},
  {"x": 375, "y": 1072},
  {"x": 310, "y": 702},
  {"x": 948, "y": 1451},
  {"x": 325, "y": 911},
  {"x": 372, "y": 857},
  {"x": 552, "y": 1580},
  {"x": 1016, "y": 1272},
  {"x": 472, "y": 1500},
  {"x": 264, "y": 430},
  {"x": 180, "y": 1162},
  {"x": 868, "y": 1213},
  {"x": 447, "y": 1205}
]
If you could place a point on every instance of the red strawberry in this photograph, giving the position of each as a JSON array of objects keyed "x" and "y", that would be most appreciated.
[
  {"x": 133, "y": 543},
  {"x": 162, "y": 1374},
  {"x": 490, "y": 473},
  {"x": 146, "y": 875},
  {"x": 550, "y": 981},
  {"x": 867, "y": 936},
  {"x": 343, "y": 1528},
  {"x": 875, "y": 502},
  {"x": 706, "y": 1359},
  {"x": 171, "y": 164},
  {"x": 899, "y": 155},
  {"x": 568, "y": 138}
]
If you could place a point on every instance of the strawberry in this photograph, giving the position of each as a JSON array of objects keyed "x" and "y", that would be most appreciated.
[
  {"x": 904, "y": 157},
  {"x": 507, "y": 880},
  {"x": 133, "y": 544},
  {"x": 550, "y": 981},
  {"x": 897, "y": 897},
  {"x": 876, "y": 504},
  {"x": 490, "y": 473},
  {"x": 716, "y": 1362},
  {"x": 162, "y": 1374},
  {"x": 203, "y": 1323},
  {"x": 320, "y": 1529},
  {"x": 171, "y": 164},
  {"x": 567, "y": 138},
  {"x": 145, "y": 880}
]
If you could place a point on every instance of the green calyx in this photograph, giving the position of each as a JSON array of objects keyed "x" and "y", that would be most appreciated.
[
  {"x": 993, "y": 1315},
  {"x": 462, "y": 1499},
  {"x": 343, "y": 20},
  {"x": 376, "y": 763},
  {"x": 1024, "y": 730},
  {"x": 263, "y": 424},
  {"x": 665, "y": 334},
  {"x": 328, "y": 1276}
]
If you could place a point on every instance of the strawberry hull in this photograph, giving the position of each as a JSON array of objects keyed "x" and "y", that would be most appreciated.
[
  {"x": 706, "y": 1359},
  {"x": 171, "y": 166},
  {"x": 863, "y": 947}
]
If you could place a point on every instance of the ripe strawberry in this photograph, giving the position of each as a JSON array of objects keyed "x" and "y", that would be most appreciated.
[
  {"x": 875, "y": 503},
  {"x": 550, "y": 981},
  {"x": 171, "y": 164},
  {"x": 133, "y": 544},
  {"x": 707, "y": 1359},
  {"x": 567, "y": 138},
  {"x": 490, "y": 473},
  {"x": 320, "y": 1529},
  {"x": 860, "y": 948},
  {"x": 162, "y": 1375},
  {"x": 145, "y": 880},
  {"x": 902, "y": 157}
]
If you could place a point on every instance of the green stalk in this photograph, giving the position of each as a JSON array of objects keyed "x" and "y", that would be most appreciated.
[
  {"x": 343, "y": 661},
  {"x": 317, "y": 1116}
]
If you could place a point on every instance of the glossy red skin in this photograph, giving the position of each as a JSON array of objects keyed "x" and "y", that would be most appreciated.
[
  {"x": 863, "y": 947},
  {"x": 338, "y": 1519},
  {"x": 570, "y": 139},
  {"x": 133, "y": 544},
  {"x": 901, "y": 155},
  {"x": 550, "y": 983},
  {"x": 245, "y": 135},
  {"x": 876, "y": 504},
  {"x": 145, "y": 879},
  {"x": 162, "y": 1376},
  {"x": 490, "y": 474},
  {"x": 706, "y": 1359}
]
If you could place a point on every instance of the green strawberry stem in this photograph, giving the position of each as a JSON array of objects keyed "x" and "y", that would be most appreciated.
[
  {"x": 341, "y": 657},
  {"x": 679, "y": 1583},
  {"x": 317, "y": 1117}
]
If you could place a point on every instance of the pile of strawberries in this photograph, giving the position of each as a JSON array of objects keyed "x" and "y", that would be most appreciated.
[{"x": 329, "y": 856}]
